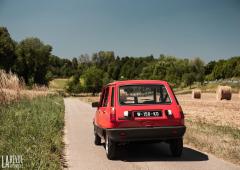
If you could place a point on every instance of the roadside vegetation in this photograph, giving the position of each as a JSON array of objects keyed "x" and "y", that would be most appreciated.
[
  {"x": 13, "y": 89},
  {"x": 222, "y": 141},
  {"x": 34, "y": 129},
  {"x": 32, "y": 122}
]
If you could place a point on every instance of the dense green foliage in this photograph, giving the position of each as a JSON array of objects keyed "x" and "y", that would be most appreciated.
[
  {"x": 7, "y": 50},
  {"x": 60, "y": 67},
  {"x": 32, "y": 60},
  {"x": 34, "y": 129},
  {"x": 223, "y": 69},
  {"x": 104, "y": 67}
]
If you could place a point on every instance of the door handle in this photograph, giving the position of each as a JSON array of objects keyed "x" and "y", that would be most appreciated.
[{"x": 104, "y": 111}]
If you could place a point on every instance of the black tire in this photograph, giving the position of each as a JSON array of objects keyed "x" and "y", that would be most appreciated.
[
  {"x": 110, "y": 148},
  {"x": 176, "y": 147},
  {"x": 97, "y": 140}
]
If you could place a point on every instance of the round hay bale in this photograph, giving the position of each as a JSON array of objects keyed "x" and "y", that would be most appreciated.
[
  {"x": 196, "y": 94},
  {"x": 224, "y": 92}
]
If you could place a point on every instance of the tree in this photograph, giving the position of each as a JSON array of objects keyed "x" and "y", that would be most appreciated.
[
  {"x": 188, "y": 78},
  {"x": 197, "y": 67},
  {"x": 7, "y": 50},
  {"x": 102, "y": 59},
  {"x": 33, "y": 60},
  {"x": 209, "y": 67},
  {"x": 92, "y": 80},
  {"x": 74, "y": 63},
  {"x": 117, "y": 69},
  {"x": 73, "y": 84}
]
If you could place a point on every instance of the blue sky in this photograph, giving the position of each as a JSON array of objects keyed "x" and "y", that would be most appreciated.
[{"x": 209, "y": 29}]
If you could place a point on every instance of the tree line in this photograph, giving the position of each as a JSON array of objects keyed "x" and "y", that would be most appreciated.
[
  {"x": 33, "y": 61},
  {"x": 104, "y": 67}
]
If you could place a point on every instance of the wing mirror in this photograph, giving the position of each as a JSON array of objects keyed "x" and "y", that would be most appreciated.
[{"x": 95, "y": 104}]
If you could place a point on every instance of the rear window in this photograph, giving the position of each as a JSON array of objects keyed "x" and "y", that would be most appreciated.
[{"x": 143, "y": 94}]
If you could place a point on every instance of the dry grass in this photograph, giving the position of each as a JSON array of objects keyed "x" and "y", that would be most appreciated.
[
  {"x": 13, "y": 89},
  {"x": 209, "y": 110},
  {"x": 213, "y": 126},
  {"x": 222, "y": 141}
]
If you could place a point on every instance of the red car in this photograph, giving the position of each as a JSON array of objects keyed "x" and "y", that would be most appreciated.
[{"x": 138, "y": 111}]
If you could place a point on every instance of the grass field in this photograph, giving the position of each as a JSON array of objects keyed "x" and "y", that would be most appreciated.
[
  {"x": 59, "y": 83},
  {"x": 33, "y": 129},
  {"x": 222, "y": 141},
  {"x": 213, "y": 126}
]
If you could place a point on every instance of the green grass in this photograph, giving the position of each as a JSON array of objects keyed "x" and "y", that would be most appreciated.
[
  {"x": 222, "y": 141},
  {"x": 59, "y": 83},
  {"x": 33, "y": 129}
]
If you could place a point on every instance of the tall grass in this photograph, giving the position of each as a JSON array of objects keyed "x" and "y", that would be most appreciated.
[
  {"x": 33, "y": 129},
  {"x": 12, "y": 88}
]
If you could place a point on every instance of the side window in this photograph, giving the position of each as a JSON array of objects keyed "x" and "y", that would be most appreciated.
[
  {"x": 102, "y": 97},
  {"x": 105, "y": 99},
  {"x": 162, "y": 95},
  {"x": 112, "y": 97}
]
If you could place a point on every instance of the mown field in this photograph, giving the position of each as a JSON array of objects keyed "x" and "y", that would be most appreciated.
[
  {"x": 58, "y": 84},
  {"x": 212, "y": 126},
  {"x": 34, "y": 129}
]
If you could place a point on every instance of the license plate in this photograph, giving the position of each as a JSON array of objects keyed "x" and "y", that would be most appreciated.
[{"x": 147, "y": 113}]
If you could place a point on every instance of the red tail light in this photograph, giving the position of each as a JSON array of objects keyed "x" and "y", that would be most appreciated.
[
  {"x": 182, "y": 115},
  {"x": 113, "y": 115}
]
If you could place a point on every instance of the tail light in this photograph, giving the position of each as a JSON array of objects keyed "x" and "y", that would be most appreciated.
[
  {"x": 169, "y": 113},
  {"x": 113, "y": 115},
  {"x": 181, "y": 115}
]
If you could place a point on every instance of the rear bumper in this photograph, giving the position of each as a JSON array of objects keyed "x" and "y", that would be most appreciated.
[{"x": 145, "y": 134}]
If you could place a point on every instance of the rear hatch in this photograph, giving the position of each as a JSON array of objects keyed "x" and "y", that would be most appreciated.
[{"x": 147, "y": 105}]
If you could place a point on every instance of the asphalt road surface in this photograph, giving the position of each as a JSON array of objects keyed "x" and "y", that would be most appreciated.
[{"x": 82, "y": 154}]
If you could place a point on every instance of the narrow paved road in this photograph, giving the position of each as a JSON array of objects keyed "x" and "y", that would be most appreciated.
[{"x": 82, "y": 154}]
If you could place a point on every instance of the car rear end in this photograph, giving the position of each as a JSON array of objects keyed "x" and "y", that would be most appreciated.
[{"x": 146, "y": 112}]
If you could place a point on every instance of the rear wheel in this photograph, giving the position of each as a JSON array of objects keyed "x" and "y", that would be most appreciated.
[
  {"x": 176, "y": 147},
  {"x": 110, "y": 147},
  {"x": 97, "y": 140}
]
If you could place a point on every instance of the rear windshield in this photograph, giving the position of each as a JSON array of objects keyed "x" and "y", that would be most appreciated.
[{"x": 143, "y": 94}]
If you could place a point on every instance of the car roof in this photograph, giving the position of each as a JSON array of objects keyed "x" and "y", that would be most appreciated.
[{"x": 128, "y": 82}]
